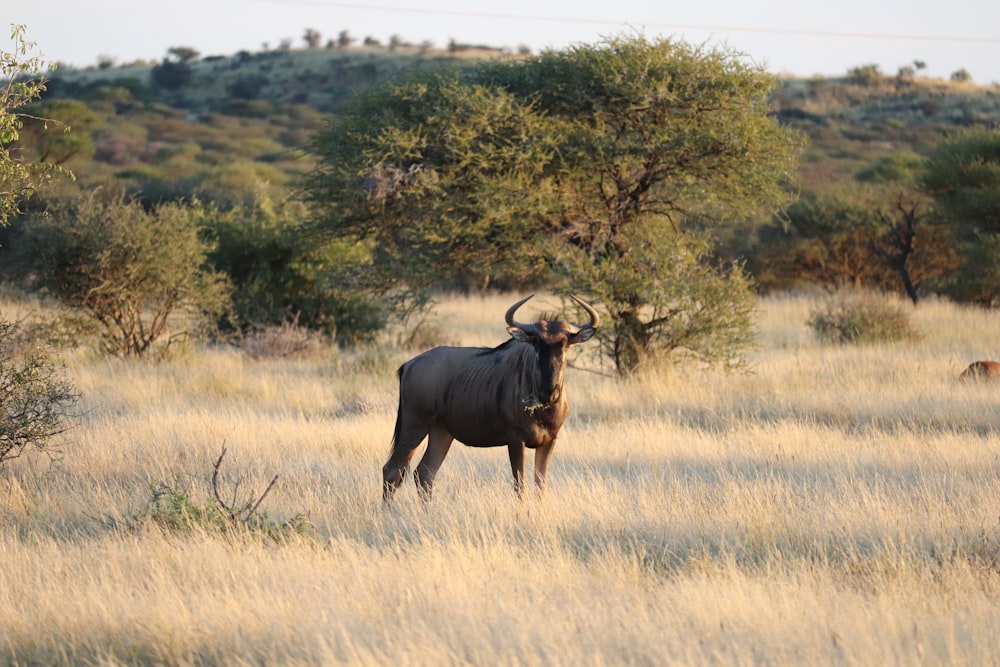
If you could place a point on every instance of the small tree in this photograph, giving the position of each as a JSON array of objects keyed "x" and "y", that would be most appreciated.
[
  {"x": 961, "y": 76},
  {"x": 140, "y": 275},
  {"x": 866, "y": 75},
  {"x": 907, "y": 239},
  {"x": 39, "y": 143},
  {"x": 312, "y": 38},
  {"x": 171, "y": 75},
  {"x": 184, "y": 54},
  {"x": 281, "y": 273},
  {"x": 916, "y": 251}
]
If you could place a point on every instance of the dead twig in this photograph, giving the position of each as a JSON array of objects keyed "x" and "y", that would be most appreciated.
[{"x": 232, "y": 512}]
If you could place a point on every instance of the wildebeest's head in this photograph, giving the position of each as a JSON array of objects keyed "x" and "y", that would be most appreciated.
[{"x": 551, "y": 339}]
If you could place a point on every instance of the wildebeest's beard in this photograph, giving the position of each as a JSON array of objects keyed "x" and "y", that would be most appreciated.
[{"x": 549, "y": 365}]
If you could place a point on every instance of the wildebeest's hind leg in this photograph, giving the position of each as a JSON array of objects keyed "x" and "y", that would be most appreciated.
[
  {"x": 438, "y": 443},
  {"x": 516, "y": 453},
  {"x": 405, "y": 440}
]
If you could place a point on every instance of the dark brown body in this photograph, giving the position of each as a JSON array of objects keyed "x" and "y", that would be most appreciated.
[
  {"x": 511, "y": 395},
  {"x": 981, "y": 370}
]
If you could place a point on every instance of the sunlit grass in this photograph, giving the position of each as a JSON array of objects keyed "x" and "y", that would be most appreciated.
[{"x": 836, "y": 505}]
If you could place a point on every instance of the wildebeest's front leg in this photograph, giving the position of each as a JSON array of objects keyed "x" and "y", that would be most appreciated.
[
  {"x": 438, "y": 443},
  {"x": 516, "y": 452},
  {"x": 542, "y": 455}
]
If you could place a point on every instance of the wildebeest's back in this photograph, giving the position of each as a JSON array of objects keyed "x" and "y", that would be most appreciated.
[
  {"x": 475, "y": 393},
  {"x": 424, "y": 379}
]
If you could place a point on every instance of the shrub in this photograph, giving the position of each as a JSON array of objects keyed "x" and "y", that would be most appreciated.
[
  {"x": 171, "y": 508},
  {"x": 35, "y": 397},
  {"x": 138, "y": 274},
  {"x": 851, "y": 317},
  {"x": 288, "y": 339},
  {"x": 869, "y": 76},
  {"x": 278, "y": 268},
  {"x": 961, "y": 76}
]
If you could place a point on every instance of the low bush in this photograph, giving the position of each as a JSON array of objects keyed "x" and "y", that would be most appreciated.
[
  {"x": 36, "y": 399},
  {"x": 171, "y": 508},
  {"x": 850, "y": 317}
]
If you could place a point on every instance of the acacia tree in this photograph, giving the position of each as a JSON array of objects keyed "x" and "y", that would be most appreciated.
[
  {"x": 40, "y": 144},
  {"x": 662, "y": 139},
  {"x": 601, "y": 161}
]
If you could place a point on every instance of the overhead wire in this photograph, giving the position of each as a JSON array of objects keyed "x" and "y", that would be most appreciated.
[{"x": 645, "y": 24}]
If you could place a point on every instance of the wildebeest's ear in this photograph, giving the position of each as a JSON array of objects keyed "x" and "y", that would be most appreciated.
[
  {"x": 581, "y": 336},
  {"x": 517, "y": 333}
]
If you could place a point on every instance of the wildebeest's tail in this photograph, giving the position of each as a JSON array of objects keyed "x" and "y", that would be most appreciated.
[
  {"x": 395, "y": 431},
  {"x": 395, "y": 467}
]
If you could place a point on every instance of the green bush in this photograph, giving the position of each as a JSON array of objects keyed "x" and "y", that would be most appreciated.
[
  {"x": 171, "y": 508},
  {"x": 281, "y": 272},
  {"x": 851, "y": 317},
  {"x": 138, "y": 274},
  {"x": 866, "y": 75}
]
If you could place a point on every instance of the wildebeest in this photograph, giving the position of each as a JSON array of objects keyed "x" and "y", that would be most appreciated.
[
  {"x": 509, "y": 395},
  {"x": 981, "y": 370}
]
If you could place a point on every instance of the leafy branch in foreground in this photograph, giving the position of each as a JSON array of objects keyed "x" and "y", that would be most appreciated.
[{"x": 19, "y": 177}]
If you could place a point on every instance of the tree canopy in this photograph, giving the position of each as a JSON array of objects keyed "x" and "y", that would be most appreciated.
[{"x": 963, "y": 177}]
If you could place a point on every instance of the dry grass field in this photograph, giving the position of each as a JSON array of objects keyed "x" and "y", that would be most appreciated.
[{"x": 838, "y": 505}]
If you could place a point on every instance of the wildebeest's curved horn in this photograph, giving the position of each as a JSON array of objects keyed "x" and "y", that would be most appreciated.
[
  {"x": 509, "y": 316},
  {"x": 595, "y": 320}
]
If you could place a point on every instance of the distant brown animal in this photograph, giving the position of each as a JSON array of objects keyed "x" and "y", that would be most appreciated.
[
  {"x": 509, "y": 395},
  {"x": 981, "y": 370}
]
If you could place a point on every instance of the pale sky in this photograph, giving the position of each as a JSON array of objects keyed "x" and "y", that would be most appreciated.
[{"x": 794, "y": 37}]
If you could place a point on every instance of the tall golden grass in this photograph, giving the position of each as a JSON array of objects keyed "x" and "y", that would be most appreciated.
[{"x": 838, "y": 505}]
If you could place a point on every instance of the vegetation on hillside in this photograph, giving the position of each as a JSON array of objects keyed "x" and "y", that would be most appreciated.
[{"x": 233, "y": 133}]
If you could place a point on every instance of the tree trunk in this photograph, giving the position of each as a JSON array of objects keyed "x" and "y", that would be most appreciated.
[{"x": 631, "y": 343}]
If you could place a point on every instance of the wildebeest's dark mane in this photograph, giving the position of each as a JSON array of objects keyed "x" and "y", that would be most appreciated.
[
  {"x": 522, "y": 361},
  {"x": 501, "y": 346}
]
